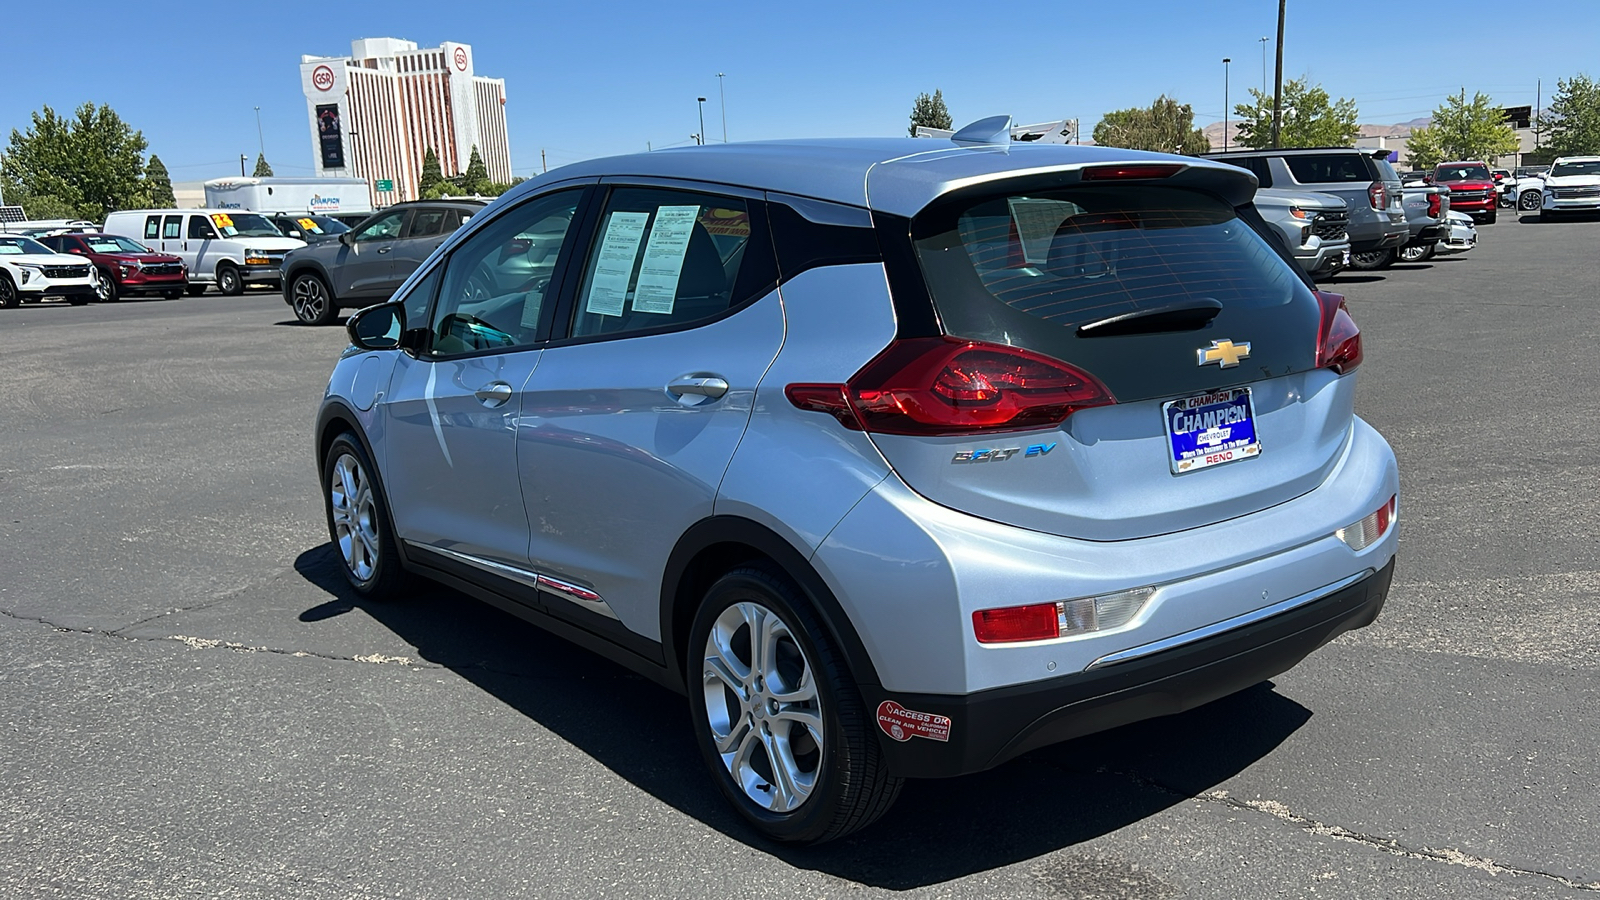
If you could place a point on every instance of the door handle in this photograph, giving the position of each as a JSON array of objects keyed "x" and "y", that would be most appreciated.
[
  {"x": 708, "y": 386},
  {"x": 494, "y": 394},
  {"x": 384, "y": 249}
]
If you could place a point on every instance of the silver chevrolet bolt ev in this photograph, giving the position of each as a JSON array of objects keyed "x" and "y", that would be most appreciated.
[{"x": 900, "y": 458}]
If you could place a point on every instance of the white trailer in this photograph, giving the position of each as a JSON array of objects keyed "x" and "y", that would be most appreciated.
[{"x": 291, "y": 195}]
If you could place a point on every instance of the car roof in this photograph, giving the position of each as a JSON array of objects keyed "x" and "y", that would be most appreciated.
[
  {"x": 894, "y": 175},
  {"x": 1569, "y": 159}
]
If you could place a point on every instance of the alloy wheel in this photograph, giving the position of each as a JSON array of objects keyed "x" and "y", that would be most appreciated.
[
  {"x": 8, "y": 292},
  {"x": 1413, "y": 254},
  {"x": 1529, "y": 201},
  {"x": 102, "y": 286},
  {"x": 355, "y": 516},
  {"x": 310, "y": 299},
  {"x": 762, "y": 705}
]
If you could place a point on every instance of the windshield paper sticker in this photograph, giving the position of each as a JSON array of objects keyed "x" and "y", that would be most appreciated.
[
  {"x": 904, "y": 724},
  {"x": 663, "y": 259},
  {"x": 608, "y": 289}
]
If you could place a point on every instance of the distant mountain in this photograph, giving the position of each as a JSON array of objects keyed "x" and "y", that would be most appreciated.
[{"x": 1213, "y": 132}]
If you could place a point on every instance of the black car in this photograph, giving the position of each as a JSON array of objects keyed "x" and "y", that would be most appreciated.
[
  {"x": 363, "y": 266},
  {"x": 313, "y": 228}
]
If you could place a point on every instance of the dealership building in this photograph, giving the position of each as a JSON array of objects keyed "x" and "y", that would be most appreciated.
[{"x": 376, "y": 112}]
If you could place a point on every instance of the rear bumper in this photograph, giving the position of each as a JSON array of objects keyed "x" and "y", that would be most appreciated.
[
  {"x": 1430, "y": 234},
  {"x": 1391, "y": 239},
  {"x": 991, "y": 727}
]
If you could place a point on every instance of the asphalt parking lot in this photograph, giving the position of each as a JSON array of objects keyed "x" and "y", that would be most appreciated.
[{"x": 193, "y": 705}]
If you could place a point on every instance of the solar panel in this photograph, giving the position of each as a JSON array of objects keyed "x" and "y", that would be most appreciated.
[{"x": 12, "y": 214}]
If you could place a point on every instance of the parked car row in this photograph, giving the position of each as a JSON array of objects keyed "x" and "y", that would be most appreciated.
[{"x": 1570, "y": 184}]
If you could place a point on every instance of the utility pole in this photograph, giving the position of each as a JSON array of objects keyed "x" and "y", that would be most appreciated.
[
  {"x": 1225, "y": 61},
  {"x": 702, "y": 104},
  {"x": 259, "y": 136},
  {"x": 724, "y": 98},
  {"x": 242, "y": 158},
  {"x": 1538, "y": 100},
  {"x": 544, "y": 166},
  {"x": 1277, "y": 84}
]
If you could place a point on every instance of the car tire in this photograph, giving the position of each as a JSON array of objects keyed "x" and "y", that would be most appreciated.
[
  {"x": 1547, "y": 215},
  {"x": 1415, "y": 253},
  {"x": 172, "y": 295},
  {"x": 313, "y": 302},
  {"x": 194, "y": 290},
  {"x": 831, "y": 777},
  {"x": 105, "y": 289},
  {"x": 79, "y": 299},
  {"x": 229, "y": 281},
  {"x": 359, "y": 522},
  {"x": 1367, "y": 260},
  {"x": 1493, "y": 214},
  {"x": 10, "y": 297},
  {"x": 1530, "y": 201}
]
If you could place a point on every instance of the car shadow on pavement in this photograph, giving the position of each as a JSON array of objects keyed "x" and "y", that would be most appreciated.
[{"x": 938, "y": 831}]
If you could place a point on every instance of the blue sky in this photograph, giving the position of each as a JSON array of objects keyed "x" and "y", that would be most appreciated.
[{"x": 595, "y": 79}]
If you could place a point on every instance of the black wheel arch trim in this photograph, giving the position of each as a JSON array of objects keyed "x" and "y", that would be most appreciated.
[
  {"x": 300, "y": 268},
  {"x": 736, "y": 530}
]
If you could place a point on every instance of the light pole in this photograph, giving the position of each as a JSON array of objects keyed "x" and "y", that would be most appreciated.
[
  {"x": 702, "y": 103},
  {"x": 1225, "y": 61},
  {"x": 1264, "y": 65},
  {"x": 1277, "y": 84},
  {"x": 259, "y": 136},
  {"x": 724, "y": 98}
]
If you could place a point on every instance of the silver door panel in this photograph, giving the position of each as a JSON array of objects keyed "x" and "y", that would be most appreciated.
[{"x": 615, "y": 467}]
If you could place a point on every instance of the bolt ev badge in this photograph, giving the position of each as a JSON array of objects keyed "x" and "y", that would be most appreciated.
[{"x": 1224, "y": 353}]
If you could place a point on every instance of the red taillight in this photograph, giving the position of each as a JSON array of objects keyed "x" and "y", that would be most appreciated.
[
  {"x": 1371, "y": 529},
  {"x": 1434, "y": 202},
  {"x": 941, "y": 385},
  {"x": 1338, "y": 338},
  {"x": 1115, "y": 173},
  {"x": 1039, "y": 622},
  {"x": 1377, "y": 195}
]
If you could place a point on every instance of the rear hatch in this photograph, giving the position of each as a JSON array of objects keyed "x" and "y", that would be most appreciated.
[{"x": 1194, "y": 342}]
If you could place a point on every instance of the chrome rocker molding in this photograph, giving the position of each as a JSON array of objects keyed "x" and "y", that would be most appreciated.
[
  {"x": 566, "y": 590},
  {"x": 1216, "y": 628}
]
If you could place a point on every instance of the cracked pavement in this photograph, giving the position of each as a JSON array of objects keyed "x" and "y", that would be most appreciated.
[{"x": 191, "y": 704}]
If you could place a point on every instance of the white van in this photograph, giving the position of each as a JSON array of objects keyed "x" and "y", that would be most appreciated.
[{"x": 224, "y": 247}]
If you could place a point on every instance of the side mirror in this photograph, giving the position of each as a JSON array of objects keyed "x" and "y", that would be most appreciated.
[
  {"x": 378, "y": 327},
  {"x": 344, "y": 237}
]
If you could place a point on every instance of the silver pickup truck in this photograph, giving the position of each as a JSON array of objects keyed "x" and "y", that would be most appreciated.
[
  {"x": 1313, "y": 226},
  {"x": 1427, "y": 207}
]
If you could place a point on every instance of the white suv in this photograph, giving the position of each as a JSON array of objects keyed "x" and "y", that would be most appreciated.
[
  {"x": 1573, "y": 185},
  {"x": 31, "y": 271}
]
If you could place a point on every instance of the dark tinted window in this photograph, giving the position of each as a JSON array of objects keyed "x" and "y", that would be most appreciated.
[
  {"x": 1074, "y": 256},
  {"x": 427, "y": 222},
  {"x": 1261, "y": 168},
  {"x": 1330, "y": 167},
  {"x": 662, "y": 258},
  {"x": 54, "y": 243},
  {"x": 200, "y": 229},
  {"x": 1462, "y": 172}
]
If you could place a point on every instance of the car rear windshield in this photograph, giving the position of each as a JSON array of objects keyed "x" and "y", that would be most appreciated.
[
  {"x": 1560, "y": 170},
  {"x": 1317, "y": 168},
  {"x": 1073, "y": 256},
  {"x": 1462, "y": 172}
]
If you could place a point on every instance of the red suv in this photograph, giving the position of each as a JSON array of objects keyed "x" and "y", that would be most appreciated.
[
  {"x": 1472, "y": 189},
  {"x": 124, "y": 266}
]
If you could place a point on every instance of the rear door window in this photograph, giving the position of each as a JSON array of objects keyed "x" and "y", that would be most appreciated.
[
  {"x": 1031, "y": 269},
  {"x": 1319, "y": 168},
  {"x": 172, "y": 228},
  {"x": 664, "y": 258}
]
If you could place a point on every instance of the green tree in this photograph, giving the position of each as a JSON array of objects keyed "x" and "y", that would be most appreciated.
[
  {"x": 1572, "y": 127},
  {"x": 1311, "y": 118},
  {"x": 158, "y": 184},
  {"x": 1462, "y": 129},
  {"x": 1166, "y": 126},
  {"x": 930, "y": 112},
  {"x": 93, "y": 162},
  {"x": 263, "y": 169},
  {"x": 431, "y": 185},
  {"x": 476, "y": 177}
]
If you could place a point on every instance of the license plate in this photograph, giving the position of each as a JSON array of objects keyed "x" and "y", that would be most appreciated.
[{"x": 1210, "y": 430}]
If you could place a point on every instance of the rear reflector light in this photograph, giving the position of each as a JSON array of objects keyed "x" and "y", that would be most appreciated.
[
  {"x": 1338, "y": 338},
  {"x": 1369, "y": 530},
  {"x": 1064, "y": 618},
  {"x": 933, "y": 386},
  {"x": 1116, "y": 173},
  {"x": 1377, "y": 195}
]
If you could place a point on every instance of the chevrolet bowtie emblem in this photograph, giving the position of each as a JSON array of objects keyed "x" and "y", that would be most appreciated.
[{"x": 1224, "y": 353}]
